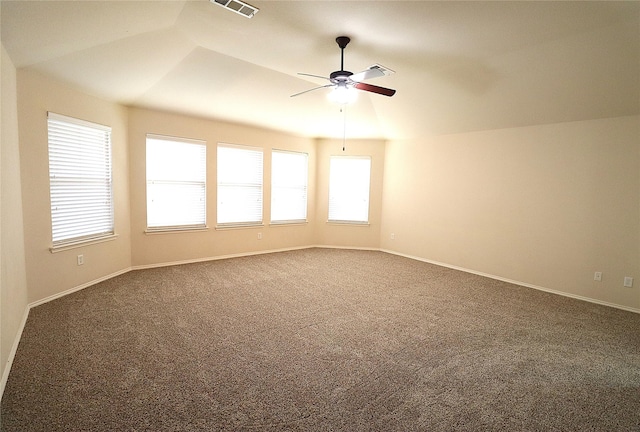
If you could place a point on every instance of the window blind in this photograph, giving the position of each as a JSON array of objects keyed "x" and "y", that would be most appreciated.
[
  {"x": 288, "y": 186},
  {"x": 176, "y": 183},
  {"x": 240, "y": 171},
  {"x": 349, "y": 179},
  {"x": 79, "y": 180}
]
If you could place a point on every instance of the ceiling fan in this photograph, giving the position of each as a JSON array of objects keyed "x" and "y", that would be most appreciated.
[{"x": 343, "y": 80}]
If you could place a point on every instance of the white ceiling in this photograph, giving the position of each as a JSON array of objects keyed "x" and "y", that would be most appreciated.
[{"x": 460, "y": 66}]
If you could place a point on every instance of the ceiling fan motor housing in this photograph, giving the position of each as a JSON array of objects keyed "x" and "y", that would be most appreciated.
[
  {"x": 340, "y": 75},
  {"x": 343, "y": 41}
]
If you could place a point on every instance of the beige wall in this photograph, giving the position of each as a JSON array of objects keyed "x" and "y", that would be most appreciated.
[
  {"x": 13, "y": 281},
  {"x": 546, "y": 205},
  {"x": 52, "y": 273},
  {"x": 346, "y": 235},
  {"x": 151, "y": 249}
]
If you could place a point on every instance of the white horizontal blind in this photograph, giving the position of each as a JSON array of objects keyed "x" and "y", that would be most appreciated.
[
  {"x": 79, "y": 179},
  {"x": 176, "y": 183},
  {"x": 288, "y": 186},
  {"x": 349, "y": 179},
  {"x": 239, "y": 185}
]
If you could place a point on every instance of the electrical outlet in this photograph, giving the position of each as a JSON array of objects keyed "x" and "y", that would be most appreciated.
[
  {"x": 628, "y": 281},
  {"x": 393, "y": 236},
  {"x": 80, "y": 260},
  {"x": 597, "y": 276}
]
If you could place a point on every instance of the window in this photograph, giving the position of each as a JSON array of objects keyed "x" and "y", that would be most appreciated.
[
  {"x": 288, "y": 186},
  {"x": 176, "y": 183},
  {"x": 239, "y": 185},
  {"x": 349, "y": 189},
  {"x": 79, "y": 180}
]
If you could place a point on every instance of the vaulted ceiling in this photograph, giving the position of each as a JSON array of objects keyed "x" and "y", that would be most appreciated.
[{"x": 459, "y": 66}]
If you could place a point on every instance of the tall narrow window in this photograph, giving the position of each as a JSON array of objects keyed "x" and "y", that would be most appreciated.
[
  {"x": 176, "y": 183},
  {"x": 288, "y": 186},
  {"x": 79, "y": 180},
  {"x": 239, "y": 185},
  {"x": 349, "y": 179}
]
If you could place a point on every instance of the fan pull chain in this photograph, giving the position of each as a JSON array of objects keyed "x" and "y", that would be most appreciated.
[{"x": 343, "y": 109}]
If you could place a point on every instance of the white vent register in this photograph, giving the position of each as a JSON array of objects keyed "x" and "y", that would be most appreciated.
[{"x": 238, "y": 7}]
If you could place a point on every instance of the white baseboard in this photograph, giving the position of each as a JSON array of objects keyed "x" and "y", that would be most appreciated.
[
  {"x": 78, "y": 288},
  {"x": 12, "y": 353},
  {"x": 25, "y": 315},
  {"x": 244, "y": 254},
  {"x": 216, "y": 258},
  {"x": 515, "y": 282},
  {"x": 347, "y": 247}
]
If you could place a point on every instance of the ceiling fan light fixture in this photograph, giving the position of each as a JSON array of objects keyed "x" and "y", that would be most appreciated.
[
  {"x": 343, "y": 95},
  {"x": 237, "y": 6}
]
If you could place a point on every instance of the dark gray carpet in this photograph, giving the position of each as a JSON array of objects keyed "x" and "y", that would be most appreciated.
[{"x": 322, "y": 340}]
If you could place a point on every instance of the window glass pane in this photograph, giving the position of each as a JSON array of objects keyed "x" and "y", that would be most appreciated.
[
  {"x": 288, "y": 186},
  {"x": 79, "y": 179},
  {"x": 239, "y": 185},
  {"x": 349, "y": 179},
  {"x": 176, "y": 183}
]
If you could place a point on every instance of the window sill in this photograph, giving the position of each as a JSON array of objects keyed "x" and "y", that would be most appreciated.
[
  {"x": 176, "y": 230},
  {"x": 289, "y": 223},
  {"x": 224, "y": 227},
  {"x": 82, "y": 243},
  {"x": 351, "y": 223}
]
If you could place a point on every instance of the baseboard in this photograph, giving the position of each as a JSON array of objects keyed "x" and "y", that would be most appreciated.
[
  {"x": 515, "y": 282},
  {"x": 78, "y": 288},
  {"x": 244, "y": 254},
  {"x": 12, "y": 353},
  {"x": 25, "y": 315},
  {"x": 181, "y": 262},
  {"x": 347, "y": 247},
  {"x": 216, "y": 258}
]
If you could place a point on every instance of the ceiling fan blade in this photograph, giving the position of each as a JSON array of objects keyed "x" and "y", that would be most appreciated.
[
  {"x": 374, "y": 71},
  {"x": 374, "y": 89},
  {"x": 367, "y": 74},
  {"x": 312, "y": 75},
  {"x": 315, "y": 88}
]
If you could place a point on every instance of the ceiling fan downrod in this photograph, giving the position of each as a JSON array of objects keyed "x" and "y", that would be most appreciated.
[
  {"x": 341, "y": 75},
  {"x": 342, "y": 42}
]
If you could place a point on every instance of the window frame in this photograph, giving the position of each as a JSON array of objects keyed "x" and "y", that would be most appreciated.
[
  {"x": 331, "y": 195},
  {"x": 304, "y": 187},
  {"x": 60, "y": 145},
  {"x": 259, "y": 175},
  {"x": 199, "y": 183}
]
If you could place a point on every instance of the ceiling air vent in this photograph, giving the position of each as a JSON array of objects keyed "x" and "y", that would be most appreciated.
[
  {"x": 384, "y": 70},
  {"x": 238, "y": 7}
]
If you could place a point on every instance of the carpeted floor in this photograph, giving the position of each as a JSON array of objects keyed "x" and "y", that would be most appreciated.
[{"x": 322, "y": 340}]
